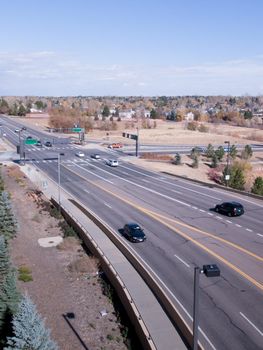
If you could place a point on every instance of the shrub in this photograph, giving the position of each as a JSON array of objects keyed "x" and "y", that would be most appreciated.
[
  {"x": 195, "y": 162},
  {"x": 177, "y": 159},
  {"x": 203, "y": 128},
  {"x": 210, "y": 151},
  {"x": 237, "y": 177},
  {"x": 24, "y": 274},
  {"x": 214, "y": 176},
  {"x": 192, "y": 126},
  {"x": 257, "y": 187},
  {"x": 220, "y": 153},
  {"x": 214, "y": 162}
]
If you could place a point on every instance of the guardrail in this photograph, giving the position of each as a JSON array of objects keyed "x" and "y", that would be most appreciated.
[
  {"x": 165, "y": 301},
  {"x": 120, "y": 287}
]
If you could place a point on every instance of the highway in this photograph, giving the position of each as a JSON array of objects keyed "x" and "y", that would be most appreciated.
[{"x": 182, "y": 232}]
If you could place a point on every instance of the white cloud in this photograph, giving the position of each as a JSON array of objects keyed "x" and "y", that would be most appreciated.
[{"x": 47, "y": 72}]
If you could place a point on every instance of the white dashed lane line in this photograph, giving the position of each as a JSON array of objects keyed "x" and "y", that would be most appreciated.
[
  {"x": 238, "y": 225},
  {"x": 218, "y": 217},
  {"x": 251, "y": 323},
  {"x": 210, "y": 214},
  {"x": 107, "y": 205},
  {"x": 248, "y": 229},
  {"x": 181, "y": 260},
  {"x": 194, "y": 208},
  {"x": 259, "y": 234},
  {"x": 203, "y": 211},
  {"x": 230, "y": 222}
]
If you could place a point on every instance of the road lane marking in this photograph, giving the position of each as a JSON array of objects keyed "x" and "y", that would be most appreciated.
[
  {"x": 218, "y": 217},
  {"x": 172, "y": 184},
  {"x": 181, "y": 260},
  {"x": 252, "y": 324},
  {"x": 107, "y": 205},
  {"x": 238, "y": 225},
  {"x": 210, "y": 214},
  {"x": 203, "y": 211},
  {"x": 230, "y": 222},
  {"x": 88, "y": 172},
  {"x": 194, "y": 208},
  {"x": 259, "y": 234},
  {"x": 176, "y": 191},
  {"x": 248, "y": 229}
]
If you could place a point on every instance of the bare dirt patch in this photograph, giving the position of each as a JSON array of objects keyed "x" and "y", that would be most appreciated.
[{"x": 65, "y": 280}]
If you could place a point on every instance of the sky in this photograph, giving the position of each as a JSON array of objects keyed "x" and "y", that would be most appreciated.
[{"x": 131, "y": 47}]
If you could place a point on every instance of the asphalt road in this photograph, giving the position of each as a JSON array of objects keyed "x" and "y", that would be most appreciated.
[{"x": 182, "y": 232}]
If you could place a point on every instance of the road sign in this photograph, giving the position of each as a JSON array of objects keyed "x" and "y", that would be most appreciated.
[
  {"x": 30, "y": 142},
  {"x": 77, "y": 129}
]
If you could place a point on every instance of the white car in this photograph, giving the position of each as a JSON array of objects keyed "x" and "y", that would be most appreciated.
[
  {"x": 80, "y": 154},
  {"x": 112, "y": 162}
]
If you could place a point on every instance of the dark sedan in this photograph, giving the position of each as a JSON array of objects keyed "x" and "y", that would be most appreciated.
[
  {"x": 230, "y": 208},
  {"x": 134, "y": 232}
]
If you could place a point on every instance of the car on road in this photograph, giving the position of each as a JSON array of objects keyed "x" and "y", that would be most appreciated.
[
  {"x": 95, "y": 156},
  {"x": 134, "y": 232},
  {"x": 80, "y": 154},
  {"x": 112, "y": 162},
  {"x": 230, "y": 208},
  {"x": 48, "y": 144},
  {"x": 29, "y": 138},
  {"x": 115, "y": 145},
  {"x": 17, "y": 130},
  {"x": 39, "y": 143}
]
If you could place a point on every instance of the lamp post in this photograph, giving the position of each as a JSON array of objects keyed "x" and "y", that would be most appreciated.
[
  {"x": 20, "y": 144},
  {"x": 227, "y": 176},
  {"x": 210, "y": 271},
  {"x": 59, "y": 202}
]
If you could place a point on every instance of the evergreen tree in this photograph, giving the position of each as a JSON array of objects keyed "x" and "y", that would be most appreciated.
[
  {"x": 9, "y": 300},
  {"x": 233, "y": 152},
  {"x": 210, "y": 151},
  {"x": 177, "y": 159},
  {"x": 195, "y": 158},
  {"x": 29, "y": 329},
  {"x": 237, "y": 178},
  {"x": 247, "y": 152},
  {"x": 214, "y": 162},
  {"x": 7, "y": 220},
  {"x": 4, "y": 260},
  {"x": 258, "y": 186},
  {"x": 106, "y": 111},
  {"x": 21, "y": 111},
  {"x": 220, "y": 153}
]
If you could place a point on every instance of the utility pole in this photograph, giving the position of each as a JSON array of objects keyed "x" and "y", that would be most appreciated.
[
  {"x": 59, "y": 201},
  {"x": 227, "y": 176},
  {"x": 137, "y": 142}
]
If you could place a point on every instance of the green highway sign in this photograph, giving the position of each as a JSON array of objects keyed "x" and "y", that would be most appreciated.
[
  {"x": 77, "y": 129},
  {"x": 30, "y": 142}
]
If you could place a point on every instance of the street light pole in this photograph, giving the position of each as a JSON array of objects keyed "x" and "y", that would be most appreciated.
[
  {"x": 227, "y": 163},
  {"x": 196, "y": 308},
  {"x": 59, "y": 201},
  {"x": 210, "y": 271}
]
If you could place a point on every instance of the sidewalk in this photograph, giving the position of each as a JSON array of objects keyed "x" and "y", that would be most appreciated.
[{"x": 162, "y": 333}]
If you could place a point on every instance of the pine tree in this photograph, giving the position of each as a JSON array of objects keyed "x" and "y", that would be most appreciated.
[
  {"x": 4, "y": 270},
  {"x": 4, "y": 259},
  {"x": 247, "y": 152},
  {"x": 29, "y": 329},
  {"x": 233, "y": 151},
  {"x": 177, "y": 159},
  {"x": 10, "y": 295},
  {"x": 214, "y": 162},
  {"x": 210, "y": 151},
  {"x": 220, "y": 153},
  {"x": 258, "y": 186},
  {"x": 7, "y": 221}
]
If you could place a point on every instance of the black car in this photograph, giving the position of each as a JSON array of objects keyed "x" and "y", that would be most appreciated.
[
  {"x": 48, "y": 144},
  {"x": 29, "y": 137},
  {"x": 230, "y": 208},
  {"x": 39, "y": 143},
  {"x": 134, "y": 232}
]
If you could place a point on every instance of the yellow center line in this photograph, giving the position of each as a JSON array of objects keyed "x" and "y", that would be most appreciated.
[{"x": 184, "y": 235}]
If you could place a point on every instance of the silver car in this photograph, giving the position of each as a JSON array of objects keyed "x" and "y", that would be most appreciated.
[{"x": 112, "y": 162}]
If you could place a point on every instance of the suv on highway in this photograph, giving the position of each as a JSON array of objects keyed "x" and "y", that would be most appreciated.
[
  {"x": 230, "y": 208},
  {"x": 48, "y": 144},
  {"x": 134, "y": 232},
  {"x": 39, "y": 143}
]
